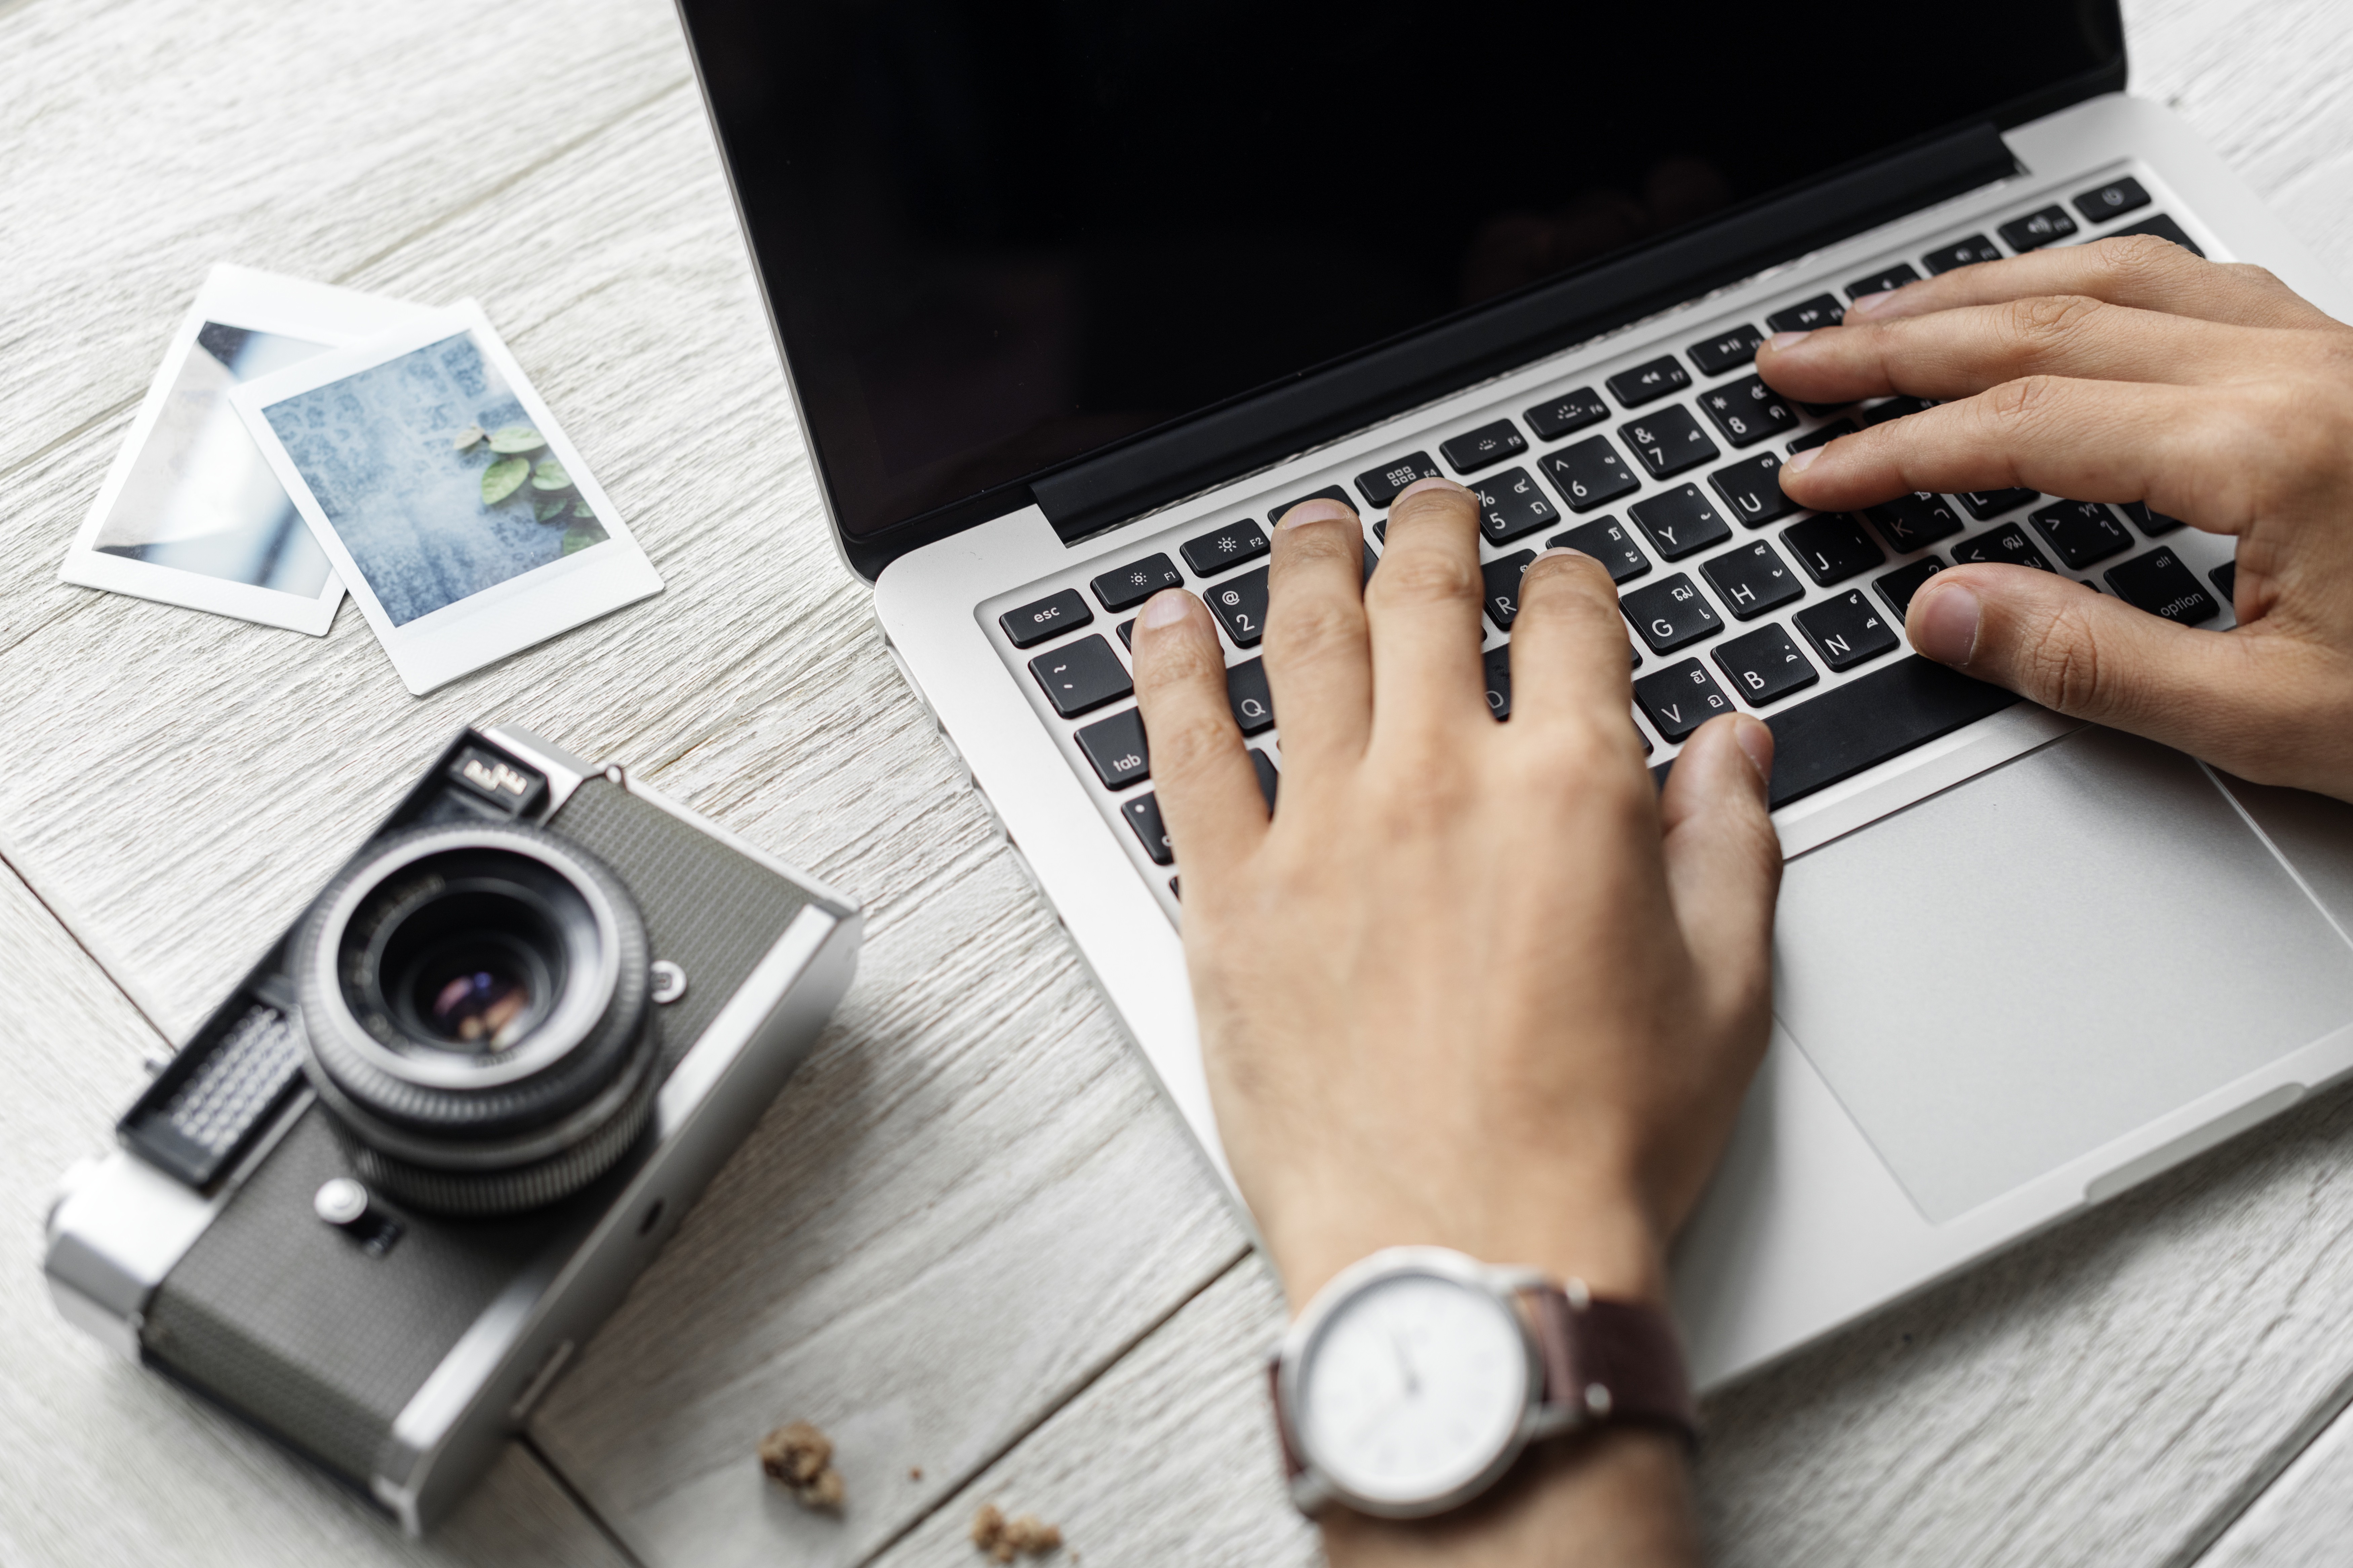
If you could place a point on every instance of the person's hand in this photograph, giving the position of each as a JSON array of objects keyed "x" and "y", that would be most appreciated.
[
  {"x": 2128, "y": 370},
  {"x": 1475, "y": 984}
]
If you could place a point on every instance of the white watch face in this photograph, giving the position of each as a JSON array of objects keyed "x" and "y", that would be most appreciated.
[{"x": 1413, "y": 1387}]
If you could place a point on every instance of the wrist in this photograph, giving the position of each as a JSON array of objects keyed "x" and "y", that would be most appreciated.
[{"x": 1591, "y": 1228}]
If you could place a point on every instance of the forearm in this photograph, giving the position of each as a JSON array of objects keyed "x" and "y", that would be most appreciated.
[{"x": 1620, "y": 1497}]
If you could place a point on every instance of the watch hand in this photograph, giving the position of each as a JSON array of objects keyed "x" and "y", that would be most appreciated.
[{"x": 1405, "y": 1367}]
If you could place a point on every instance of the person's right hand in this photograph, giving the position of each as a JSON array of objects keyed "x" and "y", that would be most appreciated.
[{"x": 2127, "y": 370}]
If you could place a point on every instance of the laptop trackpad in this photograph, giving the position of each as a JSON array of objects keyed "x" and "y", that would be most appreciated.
[{"x": 2011, "y": 973}]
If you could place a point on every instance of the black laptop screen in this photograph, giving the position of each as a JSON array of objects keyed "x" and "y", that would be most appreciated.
[{"x": 999, "y": 235}]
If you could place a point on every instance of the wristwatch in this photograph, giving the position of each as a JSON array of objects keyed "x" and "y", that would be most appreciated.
[{"x": 1416, "y": 1377}]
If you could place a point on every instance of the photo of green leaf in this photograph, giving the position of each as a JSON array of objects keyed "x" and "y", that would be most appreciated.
[
  {"x": 466, "y": 437},
  {"x": 548, "y": 509},
  {"x": 581, "y": 535},
  {"x": 551, "y": 476},
  {"x": 516, "y": 439},
  {"x": 503, "y": 477}
]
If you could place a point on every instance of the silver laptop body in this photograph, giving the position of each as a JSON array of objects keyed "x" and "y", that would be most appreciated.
[{"x": 2020, "y": 965}]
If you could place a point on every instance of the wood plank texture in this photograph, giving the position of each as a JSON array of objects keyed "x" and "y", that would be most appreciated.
[
  {"x": 1169, "y": 1459},
  {"x": 107, "y": 1463},
  {"x": 971, "y": 1205},
  {"x": 972, "y": 1201}
]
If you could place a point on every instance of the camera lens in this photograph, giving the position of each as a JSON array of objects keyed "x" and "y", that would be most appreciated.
[{"x": 475, "y": 1003}]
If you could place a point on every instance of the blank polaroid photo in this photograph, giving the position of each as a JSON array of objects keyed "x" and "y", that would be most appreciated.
[
  {"x": 445, "y": 495},
  {"x": 191, "y": 513}
]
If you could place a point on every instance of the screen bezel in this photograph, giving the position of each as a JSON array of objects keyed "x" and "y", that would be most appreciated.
[{"x": 1808, "y": 213}]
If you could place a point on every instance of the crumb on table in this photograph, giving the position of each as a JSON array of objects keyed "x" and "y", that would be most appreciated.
[
  {"x": 1003, "y": 1539},
  {"x": 801, "y": 1456}
]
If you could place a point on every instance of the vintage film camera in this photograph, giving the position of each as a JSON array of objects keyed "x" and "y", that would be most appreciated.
[{"x": 386, "y": 1189}]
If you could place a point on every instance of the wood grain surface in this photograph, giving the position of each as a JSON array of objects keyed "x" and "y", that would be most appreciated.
[{"x": 969, "y": 1240}]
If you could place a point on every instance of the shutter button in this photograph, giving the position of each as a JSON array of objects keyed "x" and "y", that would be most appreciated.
[{"x": 342, "y": 1202}]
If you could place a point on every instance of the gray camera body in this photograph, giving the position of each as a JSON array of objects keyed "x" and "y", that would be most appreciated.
[{"x": 376, "y": 1296}]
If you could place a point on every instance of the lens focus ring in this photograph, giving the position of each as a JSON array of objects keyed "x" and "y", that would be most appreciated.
[{"x": 476, "y": 1002}]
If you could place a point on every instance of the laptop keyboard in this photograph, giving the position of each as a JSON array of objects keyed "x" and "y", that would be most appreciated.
[{"x": 1736, "y": 599}]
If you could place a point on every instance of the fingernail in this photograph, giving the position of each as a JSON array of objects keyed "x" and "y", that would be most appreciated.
[
  {"x": 1870, "y": 303},
  {"x": 1756, "y": 743},
  {"x": 1944, "y": 628},
  {"x": 1419, "y": 486},
  {"x": 1560, "y": 550},
  {"x": 1166, "y": 608},
  {"x": 1800, "y": 461},
  {"x": 1781, "y": 343},
  {"x": 1316, "y": 509}
]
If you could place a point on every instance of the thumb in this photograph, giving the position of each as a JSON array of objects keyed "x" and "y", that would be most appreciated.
[
  {"x": 1724, "y": 861},
  {"x": 2092, "y": 657}
]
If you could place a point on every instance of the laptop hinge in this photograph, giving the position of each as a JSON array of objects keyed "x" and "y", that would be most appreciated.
[{"x": 1322, "y": 405}]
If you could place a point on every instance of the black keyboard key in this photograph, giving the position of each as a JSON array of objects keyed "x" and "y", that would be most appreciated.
[
  {"x": 1873, "y": 718},
  {"x": 1248, "y": 695},
  {"x": 2156, "y": 524},
  {"x": 1747, "y": 411},
  {"x": 1607, "y": 540},
  {"x": 1263, "y": 765},
  {"x": 1752, "y": 491},
  {"x": 1380, "y": 486},
  {"x": 1679, "y": 523},
  {"x": 1048, "y": 617},
  {"x": 1751, "y": 580},
  {"x": 1764, "y": 666},
  {"x": 1370, "y": 562},
  {"x": 1987, "y": 505},
  {"x": 2006, "y": 545},
  {"x": 1502, "y": 587},
  {"x": 1127, "y": 632},
  {"x": 2036, "y": 230},
  {"x": 1831, "y": 547},
  {"x": 2114, "y": 199},
  {"x": 1913, "y": 522},
  {"x": 1821, "y": 310},
  {"x": 1125, "y": 587},
  {"x": 1116, "y": 748},
  {"x": 1680, "y": 698},
  {"x": 1240, "y": 541},
  {"x": 1823, "y": 437},
  {"x": 1672, "y": 613},
  {"x": 1483, "y": 447},
  {"x": 1669, "y": 441},
  {"x": 1143, "y": 814},
  {"x": 1498, "y": 667},
  {"x": 1961, "y": 253},
  {"x": 1898, "y": 587},
  {"x": 1847, "y": 630},
  {"x": 1570, "y": 411},
  {"x": 1329, "y": 492},
  {"x": 2081, "y": 532},
  {"x": 2163, "y": 227},
  {"x": 1896, "y": 408},
  {"x": 1823, "y": 410},
  {"x": 1648, "y": 383},
  {"x": 1510, "y": 504},
  {"x": 1590, "y": 473},
  {"x": 1729, "y": 351},
  {"x": 1240, "y": 606},
  {"x": 1085, "y": 675},
  {"x": 1883, "y": 280},
  {"x": 2226, "y": 578},
  {"x": 2159, "y": 584}
]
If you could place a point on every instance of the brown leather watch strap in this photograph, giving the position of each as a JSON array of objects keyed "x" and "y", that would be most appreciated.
[{"x": 1611, "y": 1361}]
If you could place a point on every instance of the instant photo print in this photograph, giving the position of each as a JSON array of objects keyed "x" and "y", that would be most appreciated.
[
  {"x": 439, "y": 487},
  {"x": 191, "y": 512}
]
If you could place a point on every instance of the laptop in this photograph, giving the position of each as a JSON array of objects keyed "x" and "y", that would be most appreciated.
[{"x": 1074, "y": 301}]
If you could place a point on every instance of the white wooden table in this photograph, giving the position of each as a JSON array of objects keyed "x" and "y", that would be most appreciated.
[{"x": 968, "y": 1241}]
